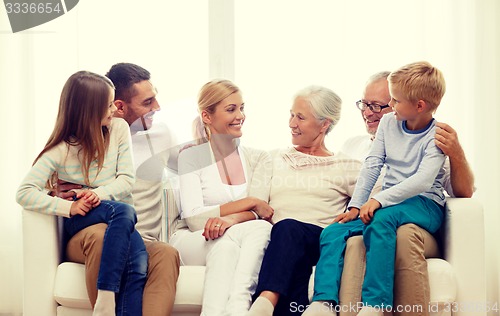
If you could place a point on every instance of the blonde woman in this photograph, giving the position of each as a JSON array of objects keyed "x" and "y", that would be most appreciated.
[{"x": 224, "y": 189}]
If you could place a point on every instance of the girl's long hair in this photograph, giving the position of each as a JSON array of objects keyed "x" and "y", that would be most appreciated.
[{"x": 82, "y": 107}]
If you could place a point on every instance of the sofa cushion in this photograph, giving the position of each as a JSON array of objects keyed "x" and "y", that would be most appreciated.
[
  {"x": 442, "y": 281},
  {"x": 71, "y": 311},
  {"x": 70, "y": 289},
  {"x": 190, "y": 288},
  {"x": 69, "y": 286}
]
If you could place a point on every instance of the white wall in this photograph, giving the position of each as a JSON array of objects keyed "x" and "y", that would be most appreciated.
[
  {"x": 170, "y": 38},
  {"x": 339, "y": 45},
  {"x": 279, "y": 47},
  {"x": 486, "y": 144}
]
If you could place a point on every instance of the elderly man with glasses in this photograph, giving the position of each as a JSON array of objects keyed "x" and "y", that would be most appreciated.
[{"x": 414, "y": 244}]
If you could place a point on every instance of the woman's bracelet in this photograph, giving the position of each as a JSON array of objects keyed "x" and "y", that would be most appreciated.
[{"x": 255, "y": 214}]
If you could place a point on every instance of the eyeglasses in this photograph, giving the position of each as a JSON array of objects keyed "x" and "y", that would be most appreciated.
[{"x": 375, "y": 108}]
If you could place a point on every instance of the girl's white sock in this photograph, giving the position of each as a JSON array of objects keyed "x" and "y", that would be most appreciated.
[{"x": 105, "y": 303}]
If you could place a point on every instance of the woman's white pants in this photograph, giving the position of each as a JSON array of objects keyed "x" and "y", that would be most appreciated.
[{"x": 232, "y": 264}]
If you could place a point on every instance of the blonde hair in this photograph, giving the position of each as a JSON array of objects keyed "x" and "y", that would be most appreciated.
[
  {"x": 420, "y": 81},
  {"x": 210, "y": 95},
  {"x": 325, "y": 104},
  {"x": 82, "y": 106}
]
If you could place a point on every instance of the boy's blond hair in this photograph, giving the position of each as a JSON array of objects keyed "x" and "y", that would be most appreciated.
[{"x": 419, "y": 81}]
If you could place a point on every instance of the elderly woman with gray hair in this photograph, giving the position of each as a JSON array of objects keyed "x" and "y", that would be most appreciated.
[{"x": 310, "y": 186}]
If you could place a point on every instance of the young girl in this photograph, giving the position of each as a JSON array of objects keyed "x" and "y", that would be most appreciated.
[{"x": 89, "y": 147}]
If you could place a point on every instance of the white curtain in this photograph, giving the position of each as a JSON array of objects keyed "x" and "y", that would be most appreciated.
[
  {"x": 484, "y": 111},
  {"x": 169, "y": 38},
  {"x": 273, "y": 49}
]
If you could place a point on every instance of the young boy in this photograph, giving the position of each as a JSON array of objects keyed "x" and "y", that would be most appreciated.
[{"x": 412, "y": 191}]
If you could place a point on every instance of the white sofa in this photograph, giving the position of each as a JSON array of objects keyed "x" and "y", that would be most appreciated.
[{"x": 55, "y": 288}]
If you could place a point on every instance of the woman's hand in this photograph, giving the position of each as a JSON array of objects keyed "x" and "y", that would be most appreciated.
[
  {"x": 368, "y": 209},
  {"x": 347, "y": 217},
  {"x": 215, "y": 227}
]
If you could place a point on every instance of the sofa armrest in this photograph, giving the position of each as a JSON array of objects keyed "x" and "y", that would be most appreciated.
[
  {"x": 171, "y": 204},
  {"x": 41, "y": 256},
  {"x": 464, "y": 249}
]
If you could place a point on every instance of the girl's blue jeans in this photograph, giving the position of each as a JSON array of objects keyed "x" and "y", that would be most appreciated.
[
  {"x": 124, "y": 258},
  {"x": 380, "y": 241}
]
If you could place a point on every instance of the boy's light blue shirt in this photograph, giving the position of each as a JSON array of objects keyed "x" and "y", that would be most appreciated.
[{"x": 414, "y": 165}]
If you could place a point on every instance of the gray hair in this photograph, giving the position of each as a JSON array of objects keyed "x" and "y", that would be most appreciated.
[
  {"x": 325, "y": 103},
  {"x": 378, "y": 76}
]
